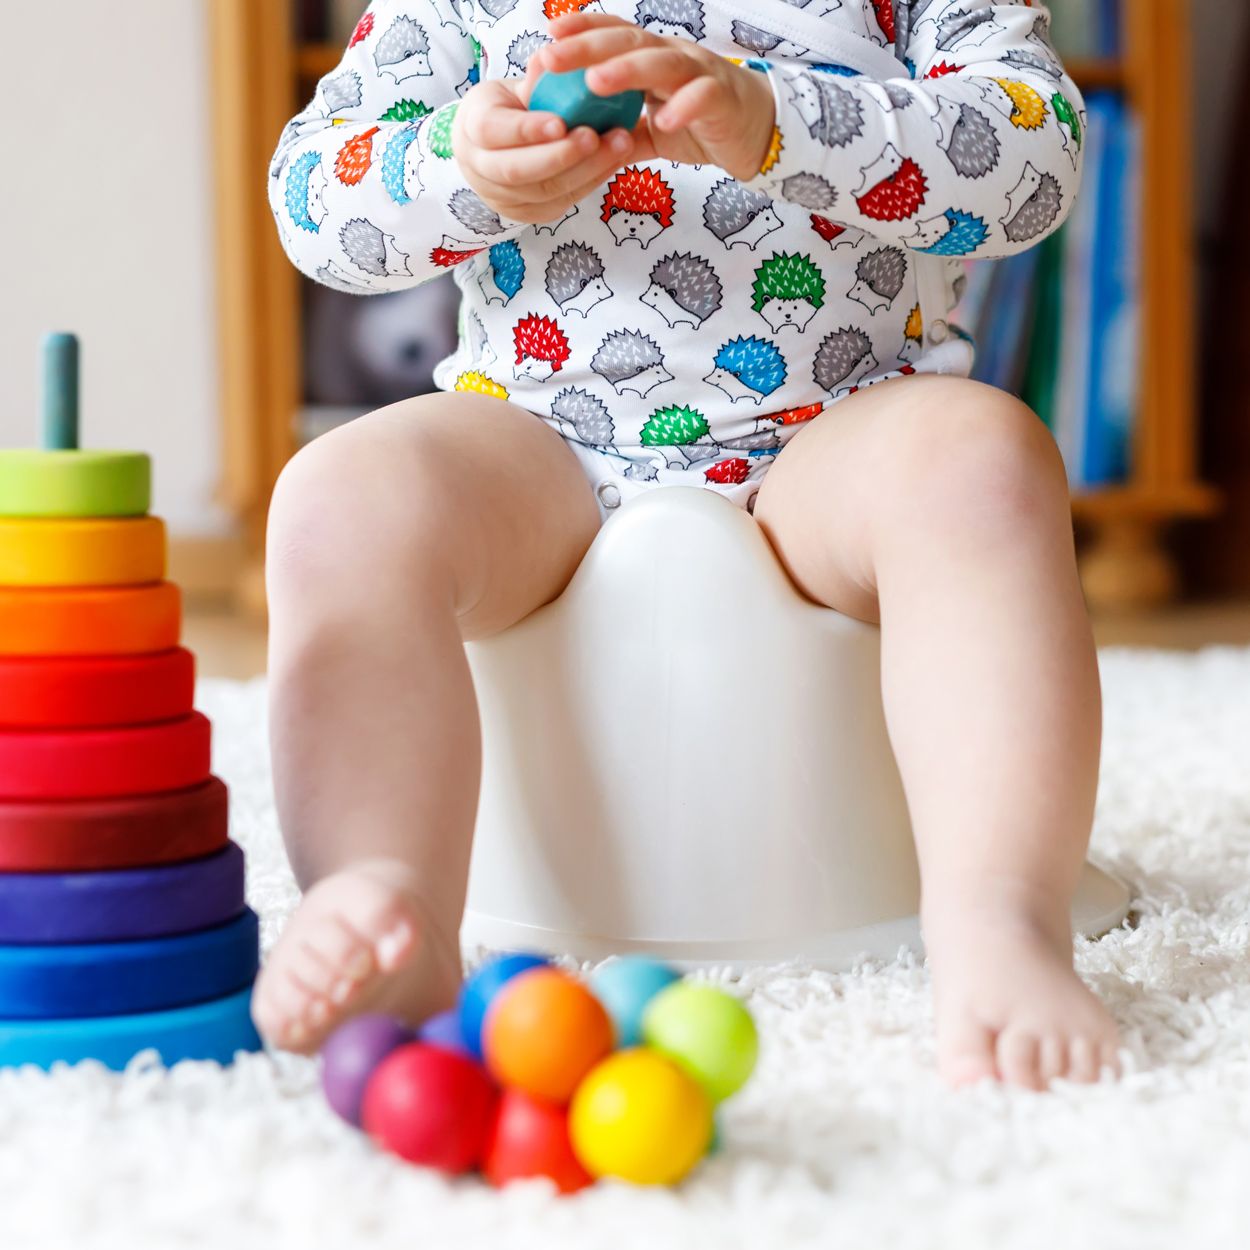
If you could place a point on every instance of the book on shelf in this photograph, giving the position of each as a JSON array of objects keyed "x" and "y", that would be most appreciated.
[
  {"x": 342, "y": 17},
  {"x": 1058, "y": 324},
  {"x": 1089, "y": 29}
]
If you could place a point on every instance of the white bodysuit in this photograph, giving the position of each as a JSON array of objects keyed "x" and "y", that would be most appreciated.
[{"x": 678, "y": 326}]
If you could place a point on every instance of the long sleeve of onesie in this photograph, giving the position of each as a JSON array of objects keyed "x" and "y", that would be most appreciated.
[
  {"x": 677, "y": 325},
  {"x": 977, "y": 154},
  {"x": 364, "y": 186}
]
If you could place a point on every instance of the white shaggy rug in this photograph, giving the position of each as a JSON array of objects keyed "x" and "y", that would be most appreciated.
[{"x": 844, "y": 1138}]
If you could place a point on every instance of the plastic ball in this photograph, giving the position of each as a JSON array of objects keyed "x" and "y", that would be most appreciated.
[
  {"x": 640, "y": 1118},
  {"x": 350, "y": 1055},
  {"x": 568, "y": 96},
  {"x": 480, "y": 989},
  {"x": 430, "y": 1106},
  {"x": 625, "y": 986},
  {"x": 443, "y": 1030},
  {"x": 544, "y": 1032},
  {"x": 707, "y": 1032},
  {"x": 530, "y": 1138}
]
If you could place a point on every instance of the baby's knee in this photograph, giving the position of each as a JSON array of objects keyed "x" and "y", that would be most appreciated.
[
  {"x": 983, "y": 456},
  {"x": 349, "y": 504}
]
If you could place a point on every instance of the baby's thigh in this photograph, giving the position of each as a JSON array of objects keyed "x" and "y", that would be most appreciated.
[
  {"x": 456, "y": 486},
  {"x": 930, "y": 451}
]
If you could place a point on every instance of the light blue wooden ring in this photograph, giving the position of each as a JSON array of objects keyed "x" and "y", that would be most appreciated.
[
  {"x": 215, "y": 1030},
  {"x": 120, "y": 978}
]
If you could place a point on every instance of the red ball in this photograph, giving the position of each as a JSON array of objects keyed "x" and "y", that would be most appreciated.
[
  {"x": 430, "y": 1106},
  {"x": 531, "y": 1138}
]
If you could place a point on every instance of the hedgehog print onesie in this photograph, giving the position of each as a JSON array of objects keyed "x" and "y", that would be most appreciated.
[{"x": 677, "y": 326}]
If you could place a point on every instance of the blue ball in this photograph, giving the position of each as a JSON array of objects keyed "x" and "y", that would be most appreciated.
[
  {"x": 478, "y": 992},
  {"x": 625, "y": 986},
  {"x": 443, "y": 1030},
  {"x": 568, "y": 96}
]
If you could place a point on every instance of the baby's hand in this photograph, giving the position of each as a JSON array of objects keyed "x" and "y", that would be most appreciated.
[
  {"x": 701, "y": 107},
  {"x": 529, "y": 166}
]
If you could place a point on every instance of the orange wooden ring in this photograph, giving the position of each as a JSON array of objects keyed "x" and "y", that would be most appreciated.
[
  {"x": 81, "y": 551},
  {"x": 123, "y": 620},
  {"x": 105, "y": 763}
]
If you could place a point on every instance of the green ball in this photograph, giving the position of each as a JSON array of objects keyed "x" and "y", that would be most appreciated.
[{"x": 708, "y": 1033}]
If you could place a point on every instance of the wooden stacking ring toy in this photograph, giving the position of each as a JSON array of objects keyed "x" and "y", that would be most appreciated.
[
  {"x": 112, "y": 551},
  {"x": 105, "y": 763},
  {"x": 74, "y": 483},
  {"x": 119, "y": 620},
  {"x": 91, "y": 834},
  {"x": 215, "y": 1030},
  {"x": 115, "y": 978},
  {"x": 121, "y": 905},
  {"x": 95, "y": 692},
  {"x": 61, "y": 480}
]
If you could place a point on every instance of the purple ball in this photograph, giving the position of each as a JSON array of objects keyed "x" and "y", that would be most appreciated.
[
  {"x": 443, "y": 1031},
  {"x": 349, "y": 1056}
]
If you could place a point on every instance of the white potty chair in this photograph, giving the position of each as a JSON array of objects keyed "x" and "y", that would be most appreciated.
[{"x": 685, "y": 757}]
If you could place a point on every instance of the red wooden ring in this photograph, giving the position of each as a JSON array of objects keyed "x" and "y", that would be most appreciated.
[
  {"x": 105, "y": 763},
  {"x": 92, "y": 834},
  {"x": 95, "y": 692}
]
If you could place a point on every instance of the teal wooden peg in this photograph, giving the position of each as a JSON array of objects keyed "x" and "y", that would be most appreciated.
[{"x": 60, "y": 392}]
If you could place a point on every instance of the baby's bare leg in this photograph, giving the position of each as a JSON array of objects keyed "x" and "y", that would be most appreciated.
[
  {"x": 391, "y": 541},
  {"x": 940, "y": 507}
]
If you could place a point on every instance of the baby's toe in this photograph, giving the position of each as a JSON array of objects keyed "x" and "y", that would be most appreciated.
[
  {"x": 386, "y": 922},
  {"x": 285, "y": 1009},
  {"x": 1085, "y": 1060},
  {"x": 339, "y": 960},
  {"x": 1019, "y": 1059},
  {"x": 1109, "y": 1057},
  {"x": 1052, "y": 1058},
  {"x": 966, "y": 1052}
]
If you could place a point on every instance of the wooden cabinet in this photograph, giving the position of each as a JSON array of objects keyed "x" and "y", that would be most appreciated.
[{"x": 262, "y": 77}]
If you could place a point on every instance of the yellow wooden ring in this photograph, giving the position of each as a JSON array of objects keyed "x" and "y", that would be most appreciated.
[
  {"x": 110, "y": 620},
  {"x": 74, "y": 483},
  {"x": 109, "y": 552}
]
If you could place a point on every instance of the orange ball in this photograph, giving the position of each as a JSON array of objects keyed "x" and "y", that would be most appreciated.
[{"x": 544, "y": 1032}]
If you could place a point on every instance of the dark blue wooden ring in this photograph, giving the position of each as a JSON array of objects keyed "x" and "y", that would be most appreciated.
[
  {"x": 117, "y": 978},
  {"x": 122, "y": 905}
]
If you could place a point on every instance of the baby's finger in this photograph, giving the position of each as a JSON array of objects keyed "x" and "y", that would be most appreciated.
[
  {"x": 522, "y": 167},
  {"x": 660, "y": 70},
  {"x": 503, "y": 122},
  {"x": 582, "y": 19},
  {"x": 553, "y": 198},
  {"x": 703, "y": 100},
  {"x": 589, "y": 47}
]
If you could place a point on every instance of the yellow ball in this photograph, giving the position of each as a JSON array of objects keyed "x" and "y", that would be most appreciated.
[{"x": 637, "y": 1116}]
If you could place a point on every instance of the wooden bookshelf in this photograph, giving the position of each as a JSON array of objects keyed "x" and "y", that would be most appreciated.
[
  {"x": 315, "y": 60},
  {"x": 262, "y": 76}
]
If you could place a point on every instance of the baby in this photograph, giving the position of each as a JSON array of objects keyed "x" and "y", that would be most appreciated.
[{"x": 747, "y": 293}]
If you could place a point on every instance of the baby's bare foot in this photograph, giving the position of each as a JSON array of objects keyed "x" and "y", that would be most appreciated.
[
  {"x": 358, "y": 941},
  {"x": 1009, "y": 1005}
]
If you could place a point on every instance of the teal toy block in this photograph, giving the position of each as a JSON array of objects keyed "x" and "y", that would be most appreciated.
[{"x": 568, "y": 96}]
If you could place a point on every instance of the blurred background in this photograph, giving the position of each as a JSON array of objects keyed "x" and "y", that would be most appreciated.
[{"x": 136, "y": 216}]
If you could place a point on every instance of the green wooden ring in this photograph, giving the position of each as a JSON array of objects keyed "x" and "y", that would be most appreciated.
[{"x": 74, "y": 483}]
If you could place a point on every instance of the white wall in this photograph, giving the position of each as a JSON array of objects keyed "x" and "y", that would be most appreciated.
[{"x": 106, "y": 228}]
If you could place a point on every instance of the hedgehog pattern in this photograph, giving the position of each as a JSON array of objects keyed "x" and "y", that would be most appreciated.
[{"x": 678, "y": 324}]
